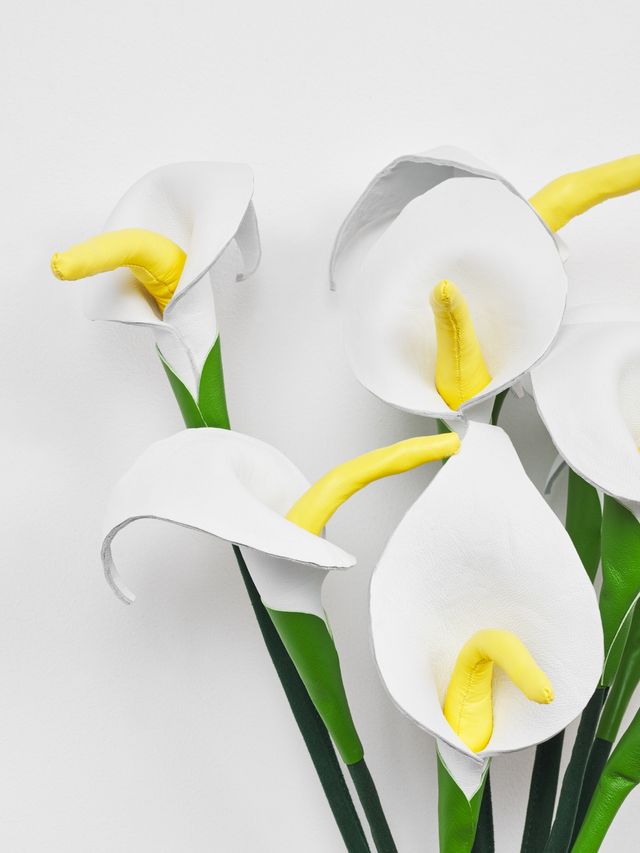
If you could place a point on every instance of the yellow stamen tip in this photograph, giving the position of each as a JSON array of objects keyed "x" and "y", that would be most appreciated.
[
  {"x": 156, "y": 261},
  {"x": 468, "y": 705},
  {"x": 461, "y": 371}
]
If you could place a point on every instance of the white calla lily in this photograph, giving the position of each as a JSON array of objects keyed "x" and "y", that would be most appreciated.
[
  {"x": 206, "y": 210},
  {"x": 439, "y": 216},
  {"x": 586, "y": 391},
  {"x": 236, "y": 488},
  {"x": 480, "y": 549}
]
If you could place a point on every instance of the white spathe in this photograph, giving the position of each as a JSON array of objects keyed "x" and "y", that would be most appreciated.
[
  {"x": 587, "y": 394},
  {"x": 480, "y": 548},
  {"x": 206, "y": 209},
  {"x": 236, "y": 488},
  {"x": 443, "y": 215}
]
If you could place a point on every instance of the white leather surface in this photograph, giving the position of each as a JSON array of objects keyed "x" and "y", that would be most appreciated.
[
  {"x": 586, "y": 391},
  {"x": 397, "y": 245},
  {"x": 201, "y": 207},
  {"x": 480, "y": 548},
  {"x": 236, "y": 488}
]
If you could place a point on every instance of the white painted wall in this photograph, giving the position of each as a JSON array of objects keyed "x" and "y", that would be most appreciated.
[{"x": 162, "y": 727}]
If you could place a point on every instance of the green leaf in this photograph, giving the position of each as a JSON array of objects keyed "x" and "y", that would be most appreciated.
[
  {"x": 584, "y": 521},
  {"x": 457, "y": 816},
  {"x": 212, "y": 402},
  {"x": 620, "y": 776},
  {"x": 620, "y": 580},
  {"x": 624, "y": 685},
  {"x": 190, "y": 412},
  {"x": 311, "y": 648}
]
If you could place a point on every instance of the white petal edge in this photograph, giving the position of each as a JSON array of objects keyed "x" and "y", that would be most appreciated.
[
  {"x": 202, "y": 207},
  {"x": 467, "y": 772},
  {"x": 586, "y": 391},
  {"x": 480, "y": 548},
  {"x": 483, "y": 237},
  {"x": 391, "y": 190},
  {"x": 236, "y": 488}
]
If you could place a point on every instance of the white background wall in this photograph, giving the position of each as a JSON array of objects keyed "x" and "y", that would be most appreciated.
[{"x": 162, "y": 727}]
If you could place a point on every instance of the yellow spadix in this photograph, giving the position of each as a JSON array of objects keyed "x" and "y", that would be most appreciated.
[
  {"x": 320, "y": 501},
  {"x": 468, "y": 705},
  {"x": 156, "y": 261},
  {"x": 461, "y": 371},
  {"x": 570, "y": 195}
]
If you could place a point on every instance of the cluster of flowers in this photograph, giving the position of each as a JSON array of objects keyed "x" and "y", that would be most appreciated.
[{"x": 453, "y": 289}]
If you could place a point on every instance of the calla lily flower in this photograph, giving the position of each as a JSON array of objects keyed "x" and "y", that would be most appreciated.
[
  {"x": 481, "y": 572},
  {"x": 176, "y": 232},
  {"x": 586, "y": 394},
  {"x": 445, "y": 227},
  {"x": 242, "y": 490}
]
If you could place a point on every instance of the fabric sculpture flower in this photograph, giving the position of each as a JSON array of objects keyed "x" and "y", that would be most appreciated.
[
  {"x": 173, "y": 227},
  {"x": 441, "y": 237},
  {"x": 480, "y": 571},
  {"x": 586, "y": 394},
  {"x": 242, "y": 490}
]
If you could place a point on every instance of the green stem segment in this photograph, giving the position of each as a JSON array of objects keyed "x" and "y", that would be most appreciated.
[
  {"x": 621, "y": 775},
  {"x": 618, "y": 699},
  {"x": 457, "y": 816},
  {"x": 312, "y": 728},
  {"x": 484, "y": 840},
  {"x": 562, "y": 829},
  {"x": 372, "y": 807},
  {"x": 210, "y": 410},
  {"x": 542, "y": 794}
]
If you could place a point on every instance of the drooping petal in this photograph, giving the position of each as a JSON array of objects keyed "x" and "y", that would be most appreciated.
[
  {"x": 586, "y": 391},
  {"x": 202, "y": 207},
  {"x": 236, "y": 488},
  {"x": 480, "y": 549},
  {"x": 421, "y": 222}
]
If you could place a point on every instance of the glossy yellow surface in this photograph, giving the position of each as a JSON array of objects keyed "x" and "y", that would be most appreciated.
[
  {"x": 156, "y": 261},
  {"x": 320, "y": 501},
  {"x": 461, "y": 371},
  {"x": 468, "y": 705},
  {"x": 570, "y": 195}
]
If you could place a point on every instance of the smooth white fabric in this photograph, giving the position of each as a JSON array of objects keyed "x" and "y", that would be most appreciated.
[
  {"x": 480, "y": 548},
  {"x": 586, "y": 391},
  {"x": 425, "y": 219},
  {"x": 236, "y": 488},
  {"x": 202, "y": 207}
]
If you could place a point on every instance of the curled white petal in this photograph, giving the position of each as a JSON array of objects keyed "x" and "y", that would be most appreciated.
[
  {"x": 206, "y": 209},
  {"x": 586, "y": 391},
  {"x": 467, "y": 226},
  {"x": 236, "y": 488},
  {"x": 479, "y": 549}
]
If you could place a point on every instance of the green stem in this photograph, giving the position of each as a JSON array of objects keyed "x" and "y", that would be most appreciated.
[
  {"x": 598, "y": 758},
  {"x": 618, "y": 699},
  {"x": 210, "y": 409},
  {"x": 372, "y": 807},
  {"x": 562, "y": 830},
  {"x": 484, "y": 842},
  {"x": 312, "y": 728},
  {"x": 621, "y": 775},
  {"x": 542, "y": 794},
  {"x": 498, "y": 403},
  {"x": 457, "y": 816}
]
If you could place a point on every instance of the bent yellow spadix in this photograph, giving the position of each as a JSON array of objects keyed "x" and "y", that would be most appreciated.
[
  {"x": 318, "y": 503},
  {"x": 568, "y": 196},
  {"x": 468, "y": 705},
  {"x": 156, "y": 261},
  {"x": 461, "y": 371}
]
